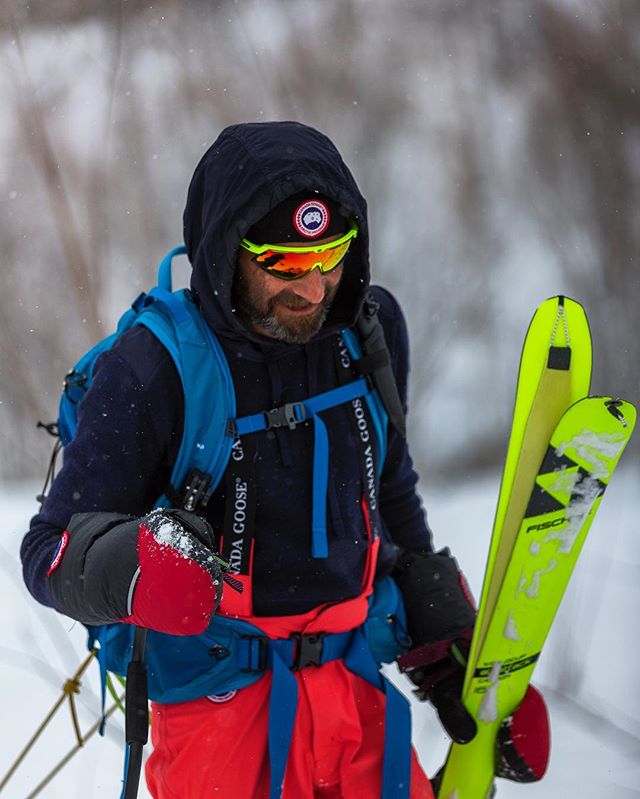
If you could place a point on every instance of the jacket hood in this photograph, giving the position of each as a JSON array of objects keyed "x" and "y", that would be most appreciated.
[{"x": 248, "y": 170}]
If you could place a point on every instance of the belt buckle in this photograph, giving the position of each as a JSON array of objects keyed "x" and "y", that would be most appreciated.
[
  {"x": 308, "y": 651},
  {"x": 290, "y": 415}
]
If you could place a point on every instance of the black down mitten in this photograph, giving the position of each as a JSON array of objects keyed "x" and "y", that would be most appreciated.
[{"x": 440, "y": 619}]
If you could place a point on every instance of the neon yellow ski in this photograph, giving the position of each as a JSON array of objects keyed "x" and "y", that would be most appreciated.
[
  {"x": 555, "y": 371},
  {"x": 582, "y": 454}
]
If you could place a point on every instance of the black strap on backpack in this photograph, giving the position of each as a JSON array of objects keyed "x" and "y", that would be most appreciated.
[{"x": 375, "y": 363}]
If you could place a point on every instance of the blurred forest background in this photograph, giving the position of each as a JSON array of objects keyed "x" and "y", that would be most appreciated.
[{"x": 497, "y": 142}]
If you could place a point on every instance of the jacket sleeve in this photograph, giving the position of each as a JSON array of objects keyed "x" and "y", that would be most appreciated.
[
  {"x": 400, "y": 505},
  {"x": 129, "y": 428}
]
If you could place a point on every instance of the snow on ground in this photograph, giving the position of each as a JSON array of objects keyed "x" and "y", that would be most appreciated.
[{"x": 588, "y": 671}]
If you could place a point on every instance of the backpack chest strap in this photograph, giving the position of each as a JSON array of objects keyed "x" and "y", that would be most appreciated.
[{"x": 292, "y": 414}]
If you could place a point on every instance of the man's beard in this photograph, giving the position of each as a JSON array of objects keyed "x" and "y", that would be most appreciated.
[{"x": 256, "y": 311}]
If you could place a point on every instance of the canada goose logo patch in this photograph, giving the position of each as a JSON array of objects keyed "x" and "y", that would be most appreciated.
[
  {"x": 64, "y": 540},
  {"x": 219, "y": 699},
  {"x": 311, "y": 218}
]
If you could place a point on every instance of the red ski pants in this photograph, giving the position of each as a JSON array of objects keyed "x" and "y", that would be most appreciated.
[{"x": 207, "y": 750}]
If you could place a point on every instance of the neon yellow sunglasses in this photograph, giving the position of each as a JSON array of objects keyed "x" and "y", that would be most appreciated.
[{"x": 290, "y": 262}]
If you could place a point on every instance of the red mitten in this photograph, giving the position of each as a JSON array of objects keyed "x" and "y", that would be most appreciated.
[
  {"x": 523, "y": 741},
  {"x": 158, "y": 572},
  {"x": 179, "y": 580}
]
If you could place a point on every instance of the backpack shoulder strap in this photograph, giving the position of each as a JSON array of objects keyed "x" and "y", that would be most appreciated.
[
  {"x": 209, "y": 397},
  {"x": 79, "y": 378}
]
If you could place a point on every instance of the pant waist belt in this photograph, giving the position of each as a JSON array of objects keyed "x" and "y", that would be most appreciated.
[{"x": 284, "y": 656}]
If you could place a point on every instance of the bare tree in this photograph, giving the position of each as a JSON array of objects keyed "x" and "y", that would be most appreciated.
[{"x": 475, "y": 131}]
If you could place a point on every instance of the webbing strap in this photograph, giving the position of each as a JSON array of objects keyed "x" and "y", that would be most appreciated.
[
  {"x": 283, "y": 702},
  {"x": 319, "y": 543},
  {"x": 296, "y": 413},
  {"x": 337, "y": 396},
  {"x": 312, "y": 405},
  {"x": 396, "y": 765}
]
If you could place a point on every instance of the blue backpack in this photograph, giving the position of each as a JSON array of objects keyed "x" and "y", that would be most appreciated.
[
  {"x": 176, "y": 321},
  {"x": 232, "y": 653}
]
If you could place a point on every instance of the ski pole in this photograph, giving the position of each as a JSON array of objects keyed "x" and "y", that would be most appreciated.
[{"x": 136, "y": 714}]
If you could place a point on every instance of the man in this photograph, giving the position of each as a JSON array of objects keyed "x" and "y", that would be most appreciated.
[{"x": 276, "y": 232}]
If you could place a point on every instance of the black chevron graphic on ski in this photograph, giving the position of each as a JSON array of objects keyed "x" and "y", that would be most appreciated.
[
  {"x": 577, "y": 492},
  {"x": 541, "y": 502},
  {"x": 553, "y": 462}
]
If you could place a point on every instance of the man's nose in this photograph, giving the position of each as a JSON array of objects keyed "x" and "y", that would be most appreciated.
[{"x": 311, "y": 287}]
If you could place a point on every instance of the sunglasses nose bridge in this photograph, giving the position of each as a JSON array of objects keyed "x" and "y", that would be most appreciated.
[{"x": 310, "y": 286}]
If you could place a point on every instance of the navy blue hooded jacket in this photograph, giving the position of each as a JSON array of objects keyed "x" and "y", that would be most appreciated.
[{"x": 130, "y": 420}]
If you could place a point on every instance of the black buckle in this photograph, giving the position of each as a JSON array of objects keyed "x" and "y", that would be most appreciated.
[
  {"x": 263, "y": 653},
  {"x": 72, "y": 380},
  {"x": 196, "y": 491},
  {"x": 308, "y": 650},
  {"x": 139, "y": 302},
  {"x": 285, "y": 415},
  {"x": 370, "y": 306}
]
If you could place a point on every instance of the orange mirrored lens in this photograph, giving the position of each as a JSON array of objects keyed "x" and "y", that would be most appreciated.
[{"x": 290, "y": 265}]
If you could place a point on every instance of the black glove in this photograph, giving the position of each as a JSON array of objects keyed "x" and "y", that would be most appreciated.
[
  {"x": 440, "y": 618},
  {"x": 158, "y": 572},
  {"x": 437, "y": 670}
]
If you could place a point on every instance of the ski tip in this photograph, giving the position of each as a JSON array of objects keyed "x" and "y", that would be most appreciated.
[
  {"x": 562, "y": 302},
  {"x": 569, "y": 336}
]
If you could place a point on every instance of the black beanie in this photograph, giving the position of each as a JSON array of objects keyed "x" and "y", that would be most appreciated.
[{"x": 301, "y": 218}]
